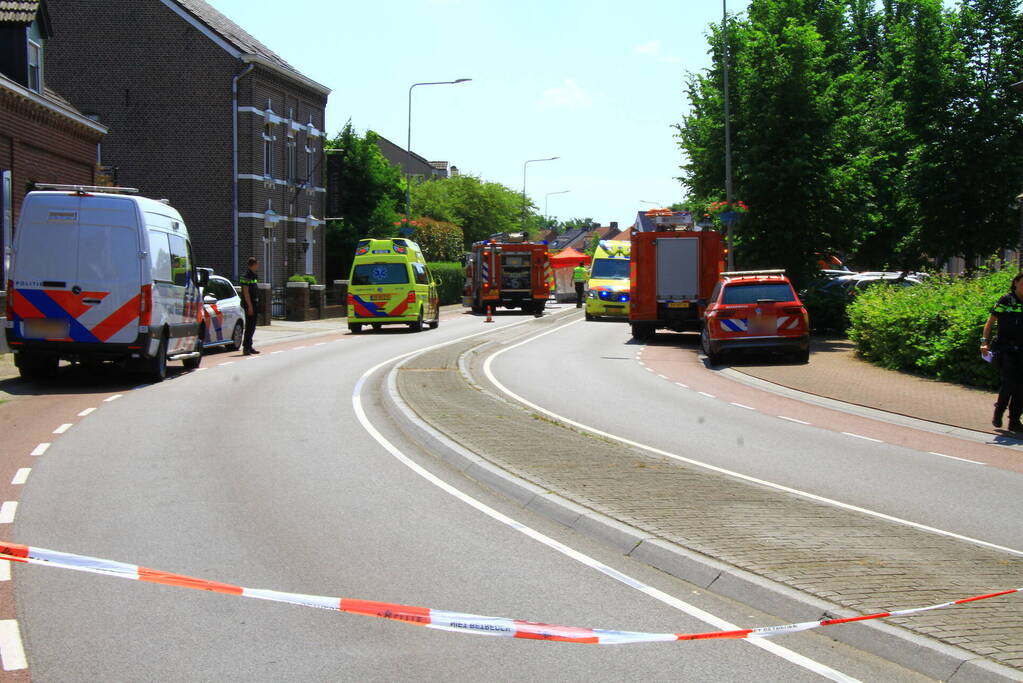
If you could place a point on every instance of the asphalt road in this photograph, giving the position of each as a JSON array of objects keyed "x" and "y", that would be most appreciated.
[
  {"x": 256, "y": 472},
  {"x": 601, "y": 381}
]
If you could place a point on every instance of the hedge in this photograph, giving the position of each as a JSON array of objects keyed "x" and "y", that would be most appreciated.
[
  {"x": 932, "y": 329},
  {"x": 450, "y": 279}
]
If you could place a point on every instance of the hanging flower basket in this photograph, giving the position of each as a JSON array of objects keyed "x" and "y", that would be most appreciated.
[{"x": 718, "y": 208}]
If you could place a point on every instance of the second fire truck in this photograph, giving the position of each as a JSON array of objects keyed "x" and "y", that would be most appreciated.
[{"x": 506, "y": 270}]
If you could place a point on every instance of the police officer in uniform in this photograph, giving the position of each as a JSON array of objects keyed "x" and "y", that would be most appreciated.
[
  {"x": 1007, "y": 347},
  {"x": 250, "y": 302},
  {"x": 579, "y": 277}
]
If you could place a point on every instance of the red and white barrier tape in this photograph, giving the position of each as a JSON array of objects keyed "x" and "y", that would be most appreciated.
[{"x": 424, "y": 616}]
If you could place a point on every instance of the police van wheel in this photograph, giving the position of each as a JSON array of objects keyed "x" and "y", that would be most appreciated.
[
  {"x": 237, "y": 336},
  {"x": 417, "y": 326},
  {"x": 355, "y": 328},
  {"x": 157, "y": 366},
  {"x": 193, "y": 363}
]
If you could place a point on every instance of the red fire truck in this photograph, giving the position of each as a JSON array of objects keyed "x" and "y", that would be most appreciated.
[
  {"x": 508, "y": 271},
  {"x": 674, "y": 269}
]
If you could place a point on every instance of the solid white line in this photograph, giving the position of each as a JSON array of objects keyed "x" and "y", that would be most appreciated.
[
  {"x": 63, "y": 428},
  {"x": 299, "y": 347},
  {"x": 20, "y": 477},
  {"x": 488, "y": 363},
  {"x": 860, "y": 436},
  {"x": 661, "y": 596},
  {"x": 11, "y": 650},
  {"x": 792, "y": 419},
  {"x": 201, "y": 369},
  {"x": 739, "y": 405},
  {"x": 112, "y": 398},
  {"x": 704, "y": 393},
  {"x": 40, "y": 449},
  {"x": 5, "y": 571},
  {"x": 7, "y": 511},
  {"x": 952, "y": 457},
  {"x": 320, "y": 344},
  {"x": 85, "y": 412}
]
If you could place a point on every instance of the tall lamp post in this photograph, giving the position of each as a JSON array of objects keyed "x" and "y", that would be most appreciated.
[
  {"x": 545, "y": 201},
  {"x": 408, "y": 145},
  {"x": 528, "y": 161},
  {"x": 647, "y": 201}
]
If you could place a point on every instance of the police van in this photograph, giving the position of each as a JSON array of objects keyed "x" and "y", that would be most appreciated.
[
  {"x": 390, "y": 283},
  {"x": 100, "y": 274}
]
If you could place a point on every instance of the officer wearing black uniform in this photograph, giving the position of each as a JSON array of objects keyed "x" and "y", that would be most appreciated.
[
  {"x": 250, "y": 302},
  {"x": 1008, "y": 353}
]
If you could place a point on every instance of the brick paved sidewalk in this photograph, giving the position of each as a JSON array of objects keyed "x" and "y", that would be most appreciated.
[
  {"x": 835, "y": 371},
  {"x": 844, "y": 558}
]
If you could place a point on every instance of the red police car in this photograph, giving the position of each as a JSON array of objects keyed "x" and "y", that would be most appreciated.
[{"x": 755, "y": 309}]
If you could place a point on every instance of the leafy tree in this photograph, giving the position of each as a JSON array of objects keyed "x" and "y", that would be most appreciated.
[
  {"x": 440, "y": 240},
  {"x": 370, "y": 193},
  {"x": 478, "y": 207}
]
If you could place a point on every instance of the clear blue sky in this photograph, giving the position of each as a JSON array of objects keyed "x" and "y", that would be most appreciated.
[{"x": 597, "y": 83}]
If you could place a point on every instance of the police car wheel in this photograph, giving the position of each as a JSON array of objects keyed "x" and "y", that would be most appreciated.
[
  {"x": 589, "y": 316},
  {"x": 237, "y": 336}
]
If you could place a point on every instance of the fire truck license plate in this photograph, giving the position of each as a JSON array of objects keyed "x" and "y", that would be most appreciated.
[{"x": 678, "y": 304}]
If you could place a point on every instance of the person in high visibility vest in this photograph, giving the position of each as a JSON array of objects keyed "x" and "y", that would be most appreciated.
[{"x": 579, "y": 276}]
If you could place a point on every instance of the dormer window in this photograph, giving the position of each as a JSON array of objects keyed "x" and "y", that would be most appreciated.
[{"x": 35, "y": 66}]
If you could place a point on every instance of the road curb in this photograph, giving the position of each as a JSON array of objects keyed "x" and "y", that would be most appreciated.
[{"x": 894, "y": 644}]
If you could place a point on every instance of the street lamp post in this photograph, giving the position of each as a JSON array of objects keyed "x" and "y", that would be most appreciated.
[
  {"x": 647, "y": 201},
  {"x": 528, "y": 161},
  {"x": 408, "y": 145},
  {"x": 545, "y": 202}
]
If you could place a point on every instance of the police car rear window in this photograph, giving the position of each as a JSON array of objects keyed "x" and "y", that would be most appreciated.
[
  {"x": 380, "y": 274},
  {"x": 758, "y": 291}
]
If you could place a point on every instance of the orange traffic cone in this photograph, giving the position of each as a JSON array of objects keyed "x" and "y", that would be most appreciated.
[{"x": 490, "y": 314}]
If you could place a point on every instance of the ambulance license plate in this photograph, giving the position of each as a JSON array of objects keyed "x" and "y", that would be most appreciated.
[
  {"x": 678, "y": 304},
  {"x": 44, "y": 328},
  {"x": 380, "y": 297}
]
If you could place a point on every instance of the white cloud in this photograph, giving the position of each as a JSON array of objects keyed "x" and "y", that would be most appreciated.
[
  {"x": 650, "y": 49},
  {"x": 570, "y": 95}
]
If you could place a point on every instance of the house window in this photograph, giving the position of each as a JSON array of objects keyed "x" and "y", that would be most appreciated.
[
  {"x": 310, "y": 160},
  {"x": 35, "y": 66},
  {"x": 292, "y": 160},
  {"x": 309, "y": 249},
  {"x": 268, "y": 150}
]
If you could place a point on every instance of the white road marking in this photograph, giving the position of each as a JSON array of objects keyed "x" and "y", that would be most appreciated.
[
  {"x": 63, "y": 428},
  {"x": 670, "y": 600},
  {"x": 85, "y": 412},
  {"x": 299, "y": 347},
  {"x": 201, "y": 369},
  {"x": 487, "y": 365},
  {"x": 7, "y": 511},
  {"x": 275, "y": 352},
  {"x": 648, "y": 369},
  {"x": 20, "y": 477},
  {"x": 860, "y": 436},
  {"x": 320, "y": 344},
  {"x": 684, "y": 386},
  {"x": 952, "y": 457},
  {"x": 792, "y": 419},
  {"x": 40, "y": 449},
  {"x": 11, "y": 650},
  {"x": 112, "y": 398},
  {"x": 662, "y": 376},
  {"x": 739, "y": 405},
  {"x": 704, "y": 393},
  {"x": 5, "y": 570},
  {"x": 227, "y": 362}
]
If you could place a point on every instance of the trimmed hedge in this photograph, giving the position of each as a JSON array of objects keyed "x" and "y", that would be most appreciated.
[
  {"x": 450, "y": 279},
  {"x": 932, "y": 329}
]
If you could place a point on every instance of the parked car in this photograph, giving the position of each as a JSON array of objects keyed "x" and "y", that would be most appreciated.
[
  {"x": 223, "y": 315},
  {"x": 755, "y": 309},
  {"x": 855, "y": 284}
]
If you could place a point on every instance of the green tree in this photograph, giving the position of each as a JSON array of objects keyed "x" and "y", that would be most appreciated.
[
  {"x": 440, "y": 240},
  {"x": 370, "y": 193},
  {"x": 478, "y": 207}
]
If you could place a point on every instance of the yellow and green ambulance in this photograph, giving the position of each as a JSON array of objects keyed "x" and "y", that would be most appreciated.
[
  {"x": 391, "y": 284},
  {"x": 607, "y": 291}
]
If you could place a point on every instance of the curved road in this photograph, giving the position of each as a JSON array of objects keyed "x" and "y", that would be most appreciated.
[{"x": 257, "y": 472}]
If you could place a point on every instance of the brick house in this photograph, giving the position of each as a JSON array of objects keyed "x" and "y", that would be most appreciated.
[
  {"x": 42, "y": 137},
  {"x": 203, "y": 114}
]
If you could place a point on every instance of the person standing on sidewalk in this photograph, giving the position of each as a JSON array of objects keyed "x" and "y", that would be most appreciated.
[
  {"x": 579, "y": 277},
  {"x": 250, "y": 302},
  {"x": 1007, "y": 347}
]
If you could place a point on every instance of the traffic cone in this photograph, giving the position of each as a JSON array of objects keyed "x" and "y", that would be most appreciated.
[{"x": 490, "y": 314}]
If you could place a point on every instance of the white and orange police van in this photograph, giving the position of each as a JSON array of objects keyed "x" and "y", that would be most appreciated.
[
  {"x": 390, "y": 283},
  {"x": 101, "y": 274}
]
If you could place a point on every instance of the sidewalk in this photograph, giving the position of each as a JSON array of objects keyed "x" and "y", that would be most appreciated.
[
  {"x": 835, "y": 371},
  {"x": 787, "y": 555}
]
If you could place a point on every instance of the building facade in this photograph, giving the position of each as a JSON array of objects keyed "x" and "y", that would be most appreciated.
[
  {"x": 43, "y": 138},
  {"x": 203, "y": 114}
]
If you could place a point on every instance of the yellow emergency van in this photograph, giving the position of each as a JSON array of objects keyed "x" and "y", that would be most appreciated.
[
  {"x": 390, "y": 284},
  {"x": 607, "y": 291}
]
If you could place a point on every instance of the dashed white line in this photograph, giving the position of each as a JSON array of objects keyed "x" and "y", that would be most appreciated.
[
  {"x": 739, "y": 405},
  {"x": 865, "y": 438},
  {"x": 952, "y": 457},
  {"x": 86, "y": 412},
  {"x": 684, "y": 386},
  {"x": 661, "y": 376},
  {"x": 20, "y": 477},
  {"x": 273, "y": 352},
  {"x": 63, "y": 428},
  {"x": 792, "y": 419},
  {"x": 112, "y": 398},
  {"x": 227, "y": 362},
  {"x": 320, "y": 344},
  {"x": 300, "y": 347},
  {"x": 5, "y": 571},
  {"x": 11, "y": 650},
  {"x": 7, "y": 511},
  {"x": 40, "y": 449},
  {"x": 648, "y": 369},
  {"x": 704, "y": 393}
]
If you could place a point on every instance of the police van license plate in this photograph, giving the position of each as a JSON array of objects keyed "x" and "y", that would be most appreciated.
[{"x": 44, "y": 328}]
